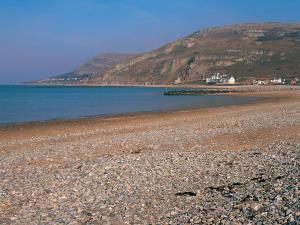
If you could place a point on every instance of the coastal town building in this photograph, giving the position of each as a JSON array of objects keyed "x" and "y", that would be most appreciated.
[
  {"x": 278, "y": 81},
  {"x": 275, "y": 81},
  {"x": 231, "y": 80},
  {"x": 263, "y": 80},
  {"x": 220, "y": 79}
]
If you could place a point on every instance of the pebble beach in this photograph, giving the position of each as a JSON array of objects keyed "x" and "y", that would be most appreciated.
[{"x": 229, "y": 165}]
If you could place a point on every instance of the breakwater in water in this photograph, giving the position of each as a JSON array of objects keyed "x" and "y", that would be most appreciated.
[{"x": 201, "y": 91}]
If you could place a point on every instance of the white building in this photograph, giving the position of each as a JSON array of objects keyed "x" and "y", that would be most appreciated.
[
  {"x": 278, "y": 81},
  {"x": 217, "y": 78},
  {"x": 231, "y": 80},
  {"x": 261, "y": 82}
]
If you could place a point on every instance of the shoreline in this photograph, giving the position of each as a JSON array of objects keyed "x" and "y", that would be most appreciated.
[
  {"x": 60, "y": 126},
  {"x": 230, "y": 164},
  {"x": 129, "y": 114},
  {"x": 263, "y": 97},
  {"x": 260, "y": 92},
  {"x": 193, "y": 86}
]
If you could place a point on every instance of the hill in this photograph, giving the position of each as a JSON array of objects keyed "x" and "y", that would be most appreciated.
[
  {"x": 244, "y": 51},
  {"x": 97, "y": 65}
]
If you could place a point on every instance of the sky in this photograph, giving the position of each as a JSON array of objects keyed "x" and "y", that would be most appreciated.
[{"x": 42, "y": 38}]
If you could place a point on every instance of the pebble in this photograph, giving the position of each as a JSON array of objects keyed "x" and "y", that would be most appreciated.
[
  {"x": 161, "y": 188},
  {"x": 173, "y": 184}
]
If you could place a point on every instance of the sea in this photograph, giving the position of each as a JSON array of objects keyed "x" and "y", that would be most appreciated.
[{"x": 24, "y": 103}]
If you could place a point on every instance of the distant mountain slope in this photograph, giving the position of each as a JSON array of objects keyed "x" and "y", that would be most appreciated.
[
  {"x": 97, "y": 65},
  {"x": 244, "y": 51}
]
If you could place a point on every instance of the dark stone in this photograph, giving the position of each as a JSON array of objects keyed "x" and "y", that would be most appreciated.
[
  {"x": 186, "y": 193},
  {"x": 279, "y": 177},
  {"x": 87, "y": 213}
]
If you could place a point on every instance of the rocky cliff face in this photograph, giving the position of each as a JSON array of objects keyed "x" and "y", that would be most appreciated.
[{"x": 244, "y": 51}]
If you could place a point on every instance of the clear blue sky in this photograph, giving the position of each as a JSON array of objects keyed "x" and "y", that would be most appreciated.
[{"x": 40, "y": 38}]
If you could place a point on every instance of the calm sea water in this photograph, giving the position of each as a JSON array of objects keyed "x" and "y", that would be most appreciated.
[{"x": 34, "y": 103}]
